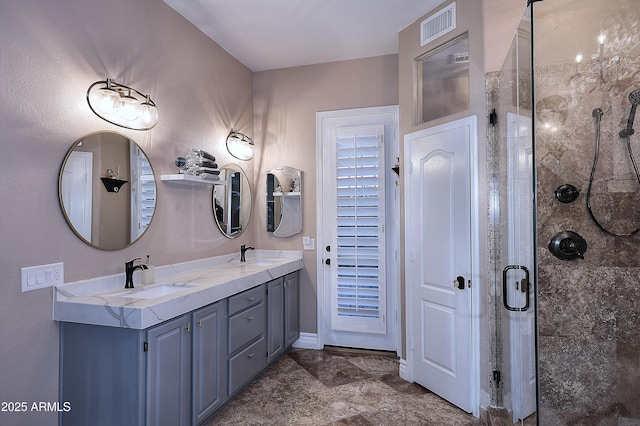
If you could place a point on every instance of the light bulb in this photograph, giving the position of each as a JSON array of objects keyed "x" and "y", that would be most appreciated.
[
  {"x": 129, "y": 107},
  {"x": 149, "y": 114},
  {"x": 107, "y": 99}
]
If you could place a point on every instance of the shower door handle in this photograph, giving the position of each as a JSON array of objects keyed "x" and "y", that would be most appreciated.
[{"x": 524, "y": 286}]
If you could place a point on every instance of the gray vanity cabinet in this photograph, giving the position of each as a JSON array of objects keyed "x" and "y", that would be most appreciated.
[
  {"x": 102, "y": 375},
  {"x": 291, "y": 309},
  {"x": 178, "y": 372},
  {"x": 283, "y": 323},
  {"x": 170, "y": 374},
  {"x": 275, "y": 322},
  {"x": 209, "y": 356},
  {"x": 247, "y": 336}
]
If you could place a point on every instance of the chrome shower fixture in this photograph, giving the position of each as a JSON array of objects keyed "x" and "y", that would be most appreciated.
[{"x": 634, "y": 98}]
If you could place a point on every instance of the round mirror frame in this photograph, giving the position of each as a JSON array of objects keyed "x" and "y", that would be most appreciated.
[
  {"x": 105, "y": 185},
  {"x": 223, "y": 176}
]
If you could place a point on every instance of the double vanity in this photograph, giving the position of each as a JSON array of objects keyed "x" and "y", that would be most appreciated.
[{"x": 173, "y": 352}]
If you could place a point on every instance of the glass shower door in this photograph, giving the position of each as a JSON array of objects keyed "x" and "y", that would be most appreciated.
[{"x": 512, "y": 203}]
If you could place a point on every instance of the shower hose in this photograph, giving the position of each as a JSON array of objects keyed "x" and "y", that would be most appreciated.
[{"x": 597, "y": 114}]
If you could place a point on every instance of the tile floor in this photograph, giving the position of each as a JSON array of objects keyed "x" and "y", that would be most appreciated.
[{"x": 338, "y": 387}]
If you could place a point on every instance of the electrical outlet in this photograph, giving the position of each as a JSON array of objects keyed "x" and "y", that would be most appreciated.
[{"x": 42, "y": 276}]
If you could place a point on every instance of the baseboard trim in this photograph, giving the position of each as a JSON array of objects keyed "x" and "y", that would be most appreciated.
[
  {"x": 308, "y": 341},
  {"x": 404, "y": 374}
]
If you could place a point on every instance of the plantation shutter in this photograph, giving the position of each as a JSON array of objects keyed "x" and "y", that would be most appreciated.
[{"x": 358, "y": 293}]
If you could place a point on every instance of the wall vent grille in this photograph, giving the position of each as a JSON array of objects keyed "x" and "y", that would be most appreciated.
[{"x": 438, "y": 24}]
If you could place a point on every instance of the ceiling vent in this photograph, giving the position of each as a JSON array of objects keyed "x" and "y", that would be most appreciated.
[{"x": 438, "y": 24}]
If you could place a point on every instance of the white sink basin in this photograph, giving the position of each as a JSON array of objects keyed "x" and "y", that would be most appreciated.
[
  {"x": 263, "y": 262},
  {"x": 154, "y": 291}
]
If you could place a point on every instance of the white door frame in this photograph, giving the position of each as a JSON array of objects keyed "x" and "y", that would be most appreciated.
[
  {"x": 476, "y": 282},
  {"x": 394, "y": 270}
]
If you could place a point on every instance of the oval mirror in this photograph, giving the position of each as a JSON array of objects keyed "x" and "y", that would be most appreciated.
[
  {"x": 107, "y": 190},
  {"x": 231, "y": 201},
  {"x": 284, "y": 204}
]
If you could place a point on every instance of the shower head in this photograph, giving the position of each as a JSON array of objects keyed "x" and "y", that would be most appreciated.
[
  {"x": 597, "y": 113},
  {"x": 634, "y": 98}
]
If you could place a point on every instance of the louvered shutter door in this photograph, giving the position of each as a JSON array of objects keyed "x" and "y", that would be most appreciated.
[{"x": 358, "y": 293}]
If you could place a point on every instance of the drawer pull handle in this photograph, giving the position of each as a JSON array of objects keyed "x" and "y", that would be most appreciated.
[
  {"x": 251, "y": 318},
  {"x": 251, "y": 299},
  {"x": 251, "y": 355}
]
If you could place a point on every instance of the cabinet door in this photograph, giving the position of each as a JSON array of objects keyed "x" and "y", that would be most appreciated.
[
  {"x": 275, "y": 318},
  {"x": 291, "y": 309},
  {"x": 169, "y": 373},
  {"x": 209, "y": 360}
]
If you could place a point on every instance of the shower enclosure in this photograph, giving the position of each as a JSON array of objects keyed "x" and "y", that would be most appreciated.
[
  {"x": 586, "y": 67},
  {"x": 511, "y": 231}
]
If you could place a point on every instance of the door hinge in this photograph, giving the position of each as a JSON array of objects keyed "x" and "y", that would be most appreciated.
[
  {"x": 145, "y": 346},
  {"x": 493, "y": 118}
]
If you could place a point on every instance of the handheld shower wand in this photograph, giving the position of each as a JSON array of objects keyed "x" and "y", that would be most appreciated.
[{"x": 634, "y": 98}]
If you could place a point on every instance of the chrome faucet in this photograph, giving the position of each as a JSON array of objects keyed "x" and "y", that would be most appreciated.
[
  {"x": 129, "y": 268},
  {"x": 243, "y": 250}
]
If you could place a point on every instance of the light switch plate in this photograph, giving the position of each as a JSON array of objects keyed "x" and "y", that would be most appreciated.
[
  {"x": 308, "y": 243},
  {"x": 42, "y": 276}
]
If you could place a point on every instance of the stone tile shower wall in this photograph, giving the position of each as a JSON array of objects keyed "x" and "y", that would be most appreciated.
[{"x": 589, "y": 327}]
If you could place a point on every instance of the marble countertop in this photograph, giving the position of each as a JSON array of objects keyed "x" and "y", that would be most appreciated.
[{"x": 191, "y": 285}]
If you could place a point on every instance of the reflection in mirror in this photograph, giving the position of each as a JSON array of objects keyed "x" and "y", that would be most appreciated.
[
  {"x": 102, "y": 217},
  {"x": 284, "y": 207},
  {"x": 232, "y": 201}
]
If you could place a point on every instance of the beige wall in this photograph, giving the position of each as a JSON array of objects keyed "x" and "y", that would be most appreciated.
[
  {"x": 285, "y": 106},
  {"x": 50, "y": 52},
  {"x": 467, "y": 12}
]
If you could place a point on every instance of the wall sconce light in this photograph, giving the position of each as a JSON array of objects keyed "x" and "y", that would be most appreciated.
[
  {"x": 240, "y": 146},
  {"x": 122, "y": 105}
]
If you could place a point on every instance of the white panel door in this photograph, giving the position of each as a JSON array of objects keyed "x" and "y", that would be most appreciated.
[
  {"x": 438, "y": 238},
  {"x": 77, "y": 193}
]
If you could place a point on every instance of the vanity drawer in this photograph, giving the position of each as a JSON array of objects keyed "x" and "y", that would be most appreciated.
[
  {"x": 246, "y": 299},
  {"x": 246, "y": 326},
  {"x": 246, "y": 364}
]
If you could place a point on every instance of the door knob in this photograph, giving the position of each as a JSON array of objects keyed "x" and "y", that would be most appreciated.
[{"x": 459, "y": 282}]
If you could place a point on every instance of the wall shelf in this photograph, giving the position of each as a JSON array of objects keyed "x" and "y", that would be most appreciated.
[
  {"x": 191, "y": 179},
  {"x": 112, "y": 184},
  {"x": 287, "y": 194}
]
